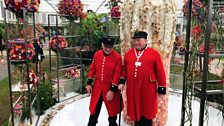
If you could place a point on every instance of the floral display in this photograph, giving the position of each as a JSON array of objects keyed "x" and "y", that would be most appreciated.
[
  {"x": 72, "y": 8},
  {"x": 33, "y": 79},
  {"x": 158, "y": 19},
  {"x": 196, "y": 31},
  {"x": 17, "y": 50},
  {"x": 115, "y": 11},
  {"x": 197, "y": 9},
  {"x": 17, "y": 6},
  {"x": 17, "y": 109},
  {"x": 73, "y": 73},
  {"x": 61, "y": 40},
  {"x": 114, "y": 8}
]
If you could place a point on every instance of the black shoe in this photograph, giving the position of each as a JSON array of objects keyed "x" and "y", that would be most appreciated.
[
  {"x": 112, "y": 121},
  {"x": 92, "y": 120}
]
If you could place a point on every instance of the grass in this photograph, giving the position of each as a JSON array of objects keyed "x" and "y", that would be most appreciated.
[
  {"x": 176, "y": 69},
  {"x": 4, "y": 101}
]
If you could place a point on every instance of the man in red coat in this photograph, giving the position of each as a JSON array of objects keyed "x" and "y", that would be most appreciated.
[
  {"x": 106, "y": 69},
  {"x": 144, "y": 75}
]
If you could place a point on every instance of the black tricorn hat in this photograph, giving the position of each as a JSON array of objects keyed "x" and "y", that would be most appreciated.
[
  {"x": 140, "y": 34},
  {"x": 108, "y": 41}
]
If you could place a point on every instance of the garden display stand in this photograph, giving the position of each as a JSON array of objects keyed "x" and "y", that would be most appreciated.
[
  {"x": 67, "y": 58},
  {"x": 190, "y": 87},
  {"x": 23, "y": 94}
]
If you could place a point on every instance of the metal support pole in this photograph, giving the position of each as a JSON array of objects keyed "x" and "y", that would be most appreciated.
[
  {"x": 49, "y": 37},
  {"x": 27, "y": 62},
  {"x": 183, "y": 109},
  {"x": 205, "y": 62},
  {"x": 57, "y": 31},
  {"x": 9, "y": 68},
  {"x": 35, "y": 41}
]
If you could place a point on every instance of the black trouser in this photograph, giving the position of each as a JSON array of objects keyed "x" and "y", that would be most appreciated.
[
  {"x": 93, "y": 119},
  {"x": 143, "y": 122}
]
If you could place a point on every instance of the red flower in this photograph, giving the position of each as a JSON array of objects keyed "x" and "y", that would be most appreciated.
[
  {"x": 17, "y": 6},
  {"x": 33, "y": 79},
  {"x": 17, "y": 50},
  {"x": 210, "y": 51},
  {"x": 61, "y": 40},
  {"x": 71, "y": 8},
  {"x": 73, "y": 72},
  {"x": 197, "y": 31},
  {"x": 115, "y": 11},
  {"x": 211, "y": 48}
]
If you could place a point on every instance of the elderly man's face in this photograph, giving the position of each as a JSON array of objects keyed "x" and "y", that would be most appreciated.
[
  {"x": 106, "y": 49},
  {"x": 139, "y": 43}
]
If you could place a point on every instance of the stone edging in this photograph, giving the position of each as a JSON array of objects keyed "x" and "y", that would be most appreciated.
[{"x": 57, "y": 108}]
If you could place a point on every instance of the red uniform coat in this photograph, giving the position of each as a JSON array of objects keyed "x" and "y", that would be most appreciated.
[
  {"x": 107, "y": 71},
  {"x": 142, "y": 82}
]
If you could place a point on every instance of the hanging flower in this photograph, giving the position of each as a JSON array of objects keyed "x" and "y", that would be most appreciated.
[
  {"x": 115, "y": 11},
  {"x": 62, "y": 43},
  {"x": 17, "y": 50},
  {"x": 198, "y": 9},
  {"x": 17, "y": 6},
  {"x": 114, "y": 8},
  {"x": 72, "y": 8},
  {"x": 73, "y": 73}
]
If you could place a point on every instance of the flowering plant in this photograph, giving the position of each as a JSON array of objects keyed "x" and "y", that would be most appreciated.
[
  {"x": 115, "y": 11},
  {"x": 17, "y": 6},
  {"x": 62, "y": 43},
  {"x": 73, "y": 72},
  {"x": 33, "y": 79},
  {"x": 71, "y": 8},
  {"x": 198, "y": 9},
  {"x": 197, "y": 31},
  {"x": 17, "y": 50},
  {"x": 114, "y": 8}
]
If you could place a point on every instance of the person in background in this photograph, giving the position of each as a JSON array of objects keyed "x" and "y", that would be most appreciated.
[
  {"x": 144, "y": 77},
  {"x": 1, "y": 45},
  {"x": 43, "y": 36},
  {"x": 39, "y": 53},
  {"x": 106, "y": 69}
]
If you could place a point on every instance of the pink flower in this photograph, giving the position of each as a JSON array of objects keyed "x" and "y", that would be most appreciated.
[
  {"x": 17, "y": 109},
  {"x": 73, "y": 73}
]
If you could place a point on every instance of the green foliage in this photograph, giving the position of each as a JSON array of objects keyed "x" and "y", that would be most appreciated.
[
  {"x": 46, "y": 96},
  {"x": 176, "y": 69},
  {"x": 113, "y": 3},
  {"x": 4, "y": 100},
  {"x": 5, "y": 123},
  {"x": 2, "y": 31},
  {"x": 92, "y": 30}
]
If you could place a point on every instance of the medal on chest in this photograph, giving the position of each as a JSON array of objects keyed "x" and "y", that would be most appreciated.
[{"x": 137, "y": 63}]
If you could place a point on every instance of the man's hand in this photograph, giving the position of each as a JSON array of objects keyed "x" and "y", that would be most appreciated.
[
  {"x": 89, "y": 88},
  {"x": 121, "y": 87},
  {"x": 110, "y": 95}
]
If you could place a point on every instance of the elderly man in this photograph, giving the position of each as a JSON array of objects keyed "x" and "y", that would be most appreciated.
[
  {"x": 144, "y": 75},
  {"x": 106, "y": 67}
]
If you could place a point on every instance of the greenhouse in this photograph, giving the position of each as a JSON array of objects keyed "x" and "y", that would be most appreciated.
[{"x": 112, "y": 62}]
